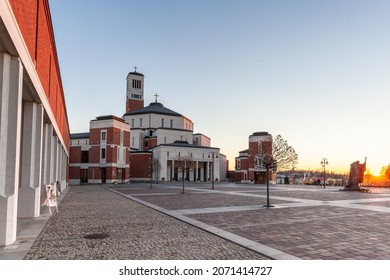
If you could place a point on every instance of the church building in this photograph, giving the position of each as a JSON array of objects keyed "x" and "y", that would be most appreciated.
[{"x": 162, "y": 145}]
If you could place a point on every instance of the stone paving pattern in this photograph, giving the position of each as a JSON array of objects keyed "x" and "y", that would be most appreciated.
[
  {"x": 135, "y": 232},
  {"x": 311, "y": 223},
  {"x": 306, "y": 223}
]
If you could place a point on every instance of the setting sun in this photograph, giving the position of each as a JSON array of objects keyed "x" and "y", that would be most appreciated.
[{"x": 375, "y": 173}]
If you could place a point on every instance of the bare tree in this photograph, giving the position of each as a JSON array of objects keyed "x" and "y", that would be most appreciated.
[
  {"x": 280, "y": 157},
  {"x": 185, "y": 163}
]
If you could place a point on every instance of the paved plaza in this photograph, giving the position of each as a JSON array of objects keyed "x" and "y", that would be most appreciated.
[{"x": 135, "y": 221}]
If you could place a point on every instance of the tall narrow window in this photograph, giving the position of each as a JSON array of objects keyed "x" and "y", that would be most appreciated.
[
  {"x": 140, "y": 122},
  {"x": 132, "y": 122},
  {"x": 122, "y": 136},
  {"x": 104, "y": 135},
  {"x": 171, "y": 123},
  {"x": 137, "y": 84},
  {"x": 103, "y": 153},
  {"x": 162, "y": 122}
]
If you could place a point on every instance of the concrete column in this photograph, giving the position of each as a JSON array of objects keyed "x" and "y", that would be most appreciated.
[
  {"x": 202, "y": 172},
  {"x": 11, "y": 83},
  {"x": 61, "y": 163},
  {"x": 192, "y": 175},
  {"x": 217, "y": 169},
  {"x": 208, "y": 176},
  {"x": 46, "y": 154},
  {"x": 56, "y": 158},
  {"x": 162, "y": 173},
  {"x": 58, "y": 171},
  {"x": 173, "y": 170},
  {"x": 62, "y": 173},
  {"x": 196, "y": 175},
  {"x": 64, "y": 169},
  {"x": 31, "y": 164},
  {"x": 53, "y": 158}
]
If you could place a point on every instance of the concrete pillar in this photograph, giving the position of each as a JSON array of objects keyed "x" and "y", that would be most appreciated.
[
  {"x": 64, "y": 169},
  {"x": 202, "y": 172},
  {"x": 208, "y": 176},
  {"x": 196, "y": 175},
  {"x": 173, "y": 170},
  {"x": 162, "y": 173},
  {"x": 11, "y": 83},
  {"x": 217, "y": 169},
  {"x": 62, "y": 173},
  {"x": 46, "y": 153},
  {"x": 31, "y": 163},
  {"x": 53, "y": 158},
  {"x": 56, "y": 159},
  {"x": 59, "y": 167}
]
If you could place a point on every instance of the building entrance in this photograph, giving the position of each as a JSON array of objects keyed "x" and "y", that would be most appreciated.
[{"x": 103, "y": 175}]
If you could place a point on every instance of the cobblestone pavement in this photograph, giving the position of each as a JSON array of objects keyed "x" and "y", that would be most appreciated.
[
  {"x": 305, "y": 223},
  {"x": 230, "y": 222},
  {"x": 94, "y": 223}
]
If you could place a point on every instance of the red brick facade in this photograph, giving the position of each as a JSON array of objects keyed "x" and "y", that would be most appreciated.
[
  {"x": 247, "y": 170},
  {"x": 108, "y": 146},
  {"x": 34, "y": 21},
  {"x": 140, "y": 164},
  {"x": 132, "y": 105}
]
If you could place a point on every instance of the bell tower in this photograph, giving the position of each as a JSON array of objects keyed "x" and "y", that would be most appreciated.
[{"x": 134, "y": 91}]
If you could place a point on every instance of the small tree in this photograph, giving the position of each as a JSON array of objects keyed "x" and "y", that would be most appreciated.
[
  {"x": 282, "y": 157},
  {"x": 184, "y": 163}
]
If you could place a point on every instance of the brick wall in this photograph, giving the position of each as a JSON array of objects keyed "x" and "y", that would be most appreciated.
[
  {"x": 140, "y": 165},
  {"x": 74, "y": 172},
  {"x": 132, "y": 105},
  {"x": 34, "y": 20},
  {"x": 75, "y": 154}
]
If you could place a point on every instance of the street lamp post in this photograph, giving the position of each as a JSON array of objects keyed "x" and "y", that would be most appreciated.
[
  {"x": 212, "y": 155},
  {"x": 324, "y": 162}
]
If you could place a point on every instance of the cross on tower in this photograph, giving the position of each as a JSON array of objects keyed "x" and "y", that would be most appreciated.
[
  {"x": 156, "y": 95},
  {"x": 135, "y": 68}
]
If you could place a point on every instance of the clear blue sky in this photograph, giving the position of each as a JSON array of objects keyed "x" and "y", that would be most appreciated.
[{"x": 316, "y": 72}]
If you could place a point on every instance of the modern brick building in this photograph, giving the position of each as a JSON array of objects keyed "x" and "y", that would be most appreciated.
[
  {"x": 159, "y": 138},
  {"x": 34, "y": 129},
  {"x": 102, "y": 155},
  {"x": 248, "y": 167}
]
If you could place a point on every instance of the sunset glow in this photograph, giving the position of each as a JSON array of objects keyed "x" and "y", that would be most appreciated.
[{"x": 311, "y": 71}]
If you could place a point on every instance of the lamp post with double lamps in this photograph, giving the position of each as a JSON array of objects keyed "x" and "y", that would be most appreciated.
[
  {"x": 212, "y": 155},
  {"x": 324, "y": 162}
]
